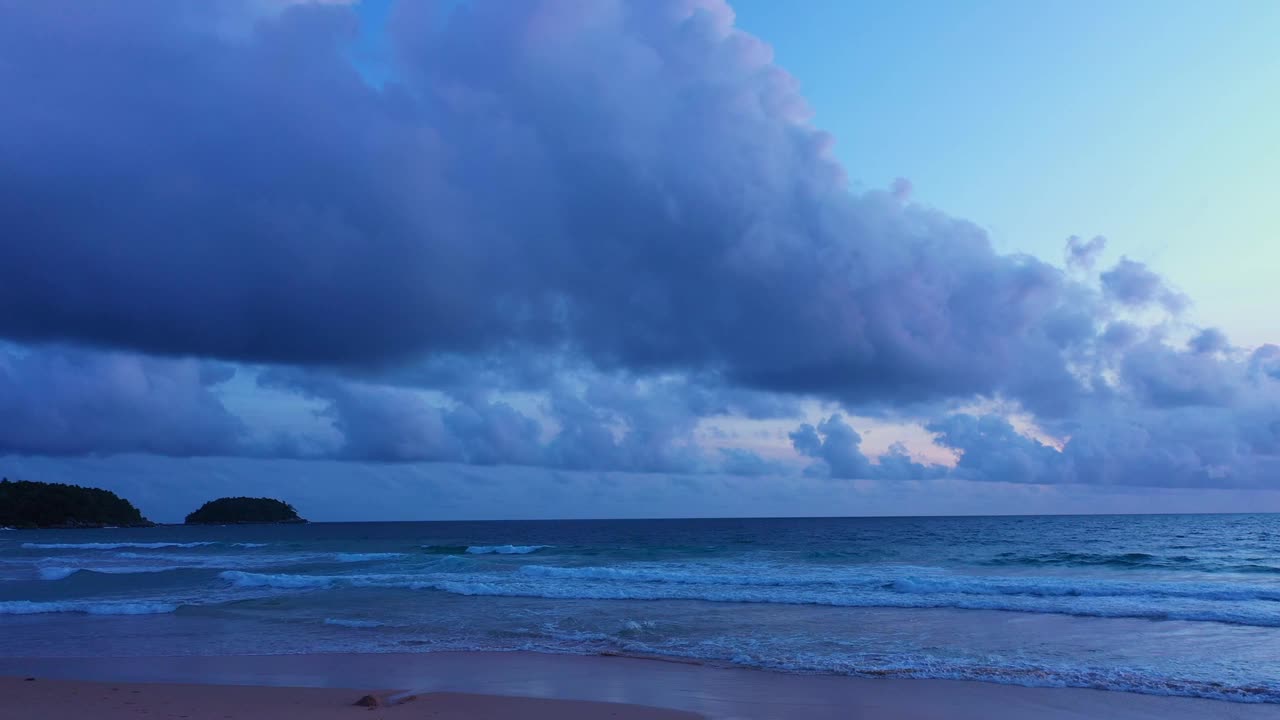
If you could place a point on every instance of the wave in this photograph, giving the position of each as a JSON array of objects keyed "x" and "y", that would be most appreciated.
[
  {"x": 342, "y": 622},
  {"x": 249, "y": 545},
  {"x": 1076, "y": 559},
  {"x": 532, "y": 582},
  {"x": 28, "y": 607},
  {"x": 445, "y": 549},
  {"x": 1070, "y": 587},
  {"x": 60, "y": 573},
  {"x": 1126, "y": 561},
  {"x": 112, "y": 546},
  {"x": 682, "y": 577},
  {"x": 1102, "y": 607},
  {"x": 740, "y": 652},
  {"x": 366, "y": 557},
  {"x": 906, "y": 665},
  {"x": 239, "y": 578},
  {"x": 899, "y": 579},
  {"x": 505, "y": 549},
  {"x": 483, "y": 549}
]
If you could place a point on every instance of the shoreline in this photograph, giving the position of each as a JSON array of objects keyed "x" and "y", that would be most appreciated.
[{"x": 710, "y": 691}]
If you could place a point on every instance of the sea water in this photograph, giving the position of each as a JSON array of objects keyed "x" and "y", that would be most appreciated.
[{"x": 1173, "y": 604}]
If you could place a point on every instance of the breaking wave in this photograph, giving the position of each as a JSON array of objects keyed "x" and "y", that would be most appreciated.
[
  {"x": 342, "y": 622},
  {"x": 366, "y": 557},
  {"x": 1127, "y": 561},
  {"x": 60, "y": 573},
  {"x": 28, "y": 607},
  {"x": 505, "y": 549},
  {"x": 1198, "y": 602},
  {"x": 112, "y": 546}
]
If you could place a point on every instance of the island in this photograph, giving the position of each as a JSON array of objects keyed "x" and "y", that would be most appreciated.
[
  {"x": 244, "y": 510},
  {"x": 26, "y": 504}
]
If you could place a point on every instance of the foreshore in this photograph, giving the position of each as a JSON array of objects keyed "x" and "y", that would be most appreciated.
[
  {"x": 77, "y": 699},
  {"x": 531, "y": 685}
]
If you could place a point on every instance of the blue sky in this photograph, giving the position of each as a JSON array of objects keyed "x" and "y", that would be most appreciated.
[{"x": 599, "y": 256}]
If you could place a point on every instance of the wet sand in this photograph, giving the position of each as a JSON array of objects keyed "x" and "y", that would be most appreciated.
[
  {"x": 78, "y": 699},
  {"x": 513, "y": 685}
]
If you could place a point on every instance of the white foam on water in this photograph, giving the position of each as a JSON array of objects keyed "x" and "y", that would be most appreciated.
[
  {"x": 505, "y": 549},
  {"x": 112, "y": 546},
  {"x": 28, "y": 607},
  {"x": 343, "y": 622},
  {"x": 56, "y": 573},
  {"x": 366, "y": 557},
  {"x": 60, "y": 573},
  {"x": 540, "y": 584}
]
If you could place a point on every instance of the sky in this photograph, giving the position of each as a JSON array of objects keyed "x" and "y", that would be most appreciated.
[{"x": 560, "y": 258}]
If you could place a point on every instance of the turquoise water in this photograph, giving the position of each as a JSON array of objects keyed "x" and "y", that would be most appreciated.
[{"x": 1182, "y": 605}]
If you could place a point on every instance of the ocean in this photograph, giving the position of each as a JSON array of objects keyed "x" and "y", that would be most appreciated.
[{"x": 1164, "y": 604}]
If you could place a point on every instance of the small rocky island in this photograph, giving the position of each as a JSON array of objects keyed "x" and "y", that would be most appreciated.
[
  {"x": 244, "y": 510},
  {"x": 26, "y": 504}
]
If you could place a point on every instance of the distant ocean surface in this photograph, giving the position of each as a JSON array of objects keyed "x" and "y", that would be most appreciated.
[{"x": 1177, "y": 605}]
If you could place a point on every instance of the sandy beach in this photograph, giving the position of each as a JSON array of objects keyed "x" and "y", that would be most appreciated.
[
  {"x": 75, "y": 699},
  {"x": 528, "y": 685}
]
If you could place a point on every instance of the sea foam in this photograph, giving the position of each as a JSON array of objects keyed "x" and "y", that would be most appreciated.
[
  {"x": 343, "y": 622},
  {"x": 366, "y": 557},
  {"x": 505, "y": 549},
  {"x": 112, "y": 546},
  {"x": 61, "y": 573},
  {"x": 28, "y": 607}
]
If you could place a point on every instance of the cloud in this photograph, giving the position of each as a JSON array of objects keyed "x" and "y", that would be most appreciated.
[
  {"x": 555, "y": 233},
  {"x": 583, "y": 421},
  {"x": 1165, "y": 377},
  {"x": 67, "y": 401},
  {"x": 741, "y": 462},
  {"x": 1132, "y": 284},
  {"x": 166, "y": 489},
  {"x": 838, "y": 446},
  {"x": 1265, "y": 362},
  {"x": 1083, "y": 254},
  {"x": 1209, "y": 340},
  {"x": 991, "y": 449},
  {"x": 1179, "y": 420},
  {"x": 634, "y": 182}
]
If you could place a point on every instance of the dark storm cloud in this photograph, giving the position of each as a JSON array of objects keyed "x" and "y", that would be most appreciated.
[
  {"x": 65, "y": 401},
  {"x": 616, "y": 207},
  {"x": 633, "y": 182},
  {"x": 395, "y": 424},
  {"x": 583, "y": 422}
]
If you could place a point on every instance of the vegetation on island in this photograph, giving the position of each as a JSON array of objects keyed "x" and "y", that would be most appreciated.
[
  {"x": 29, "y": 504},
  {"x": 236, "y": 510}
]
